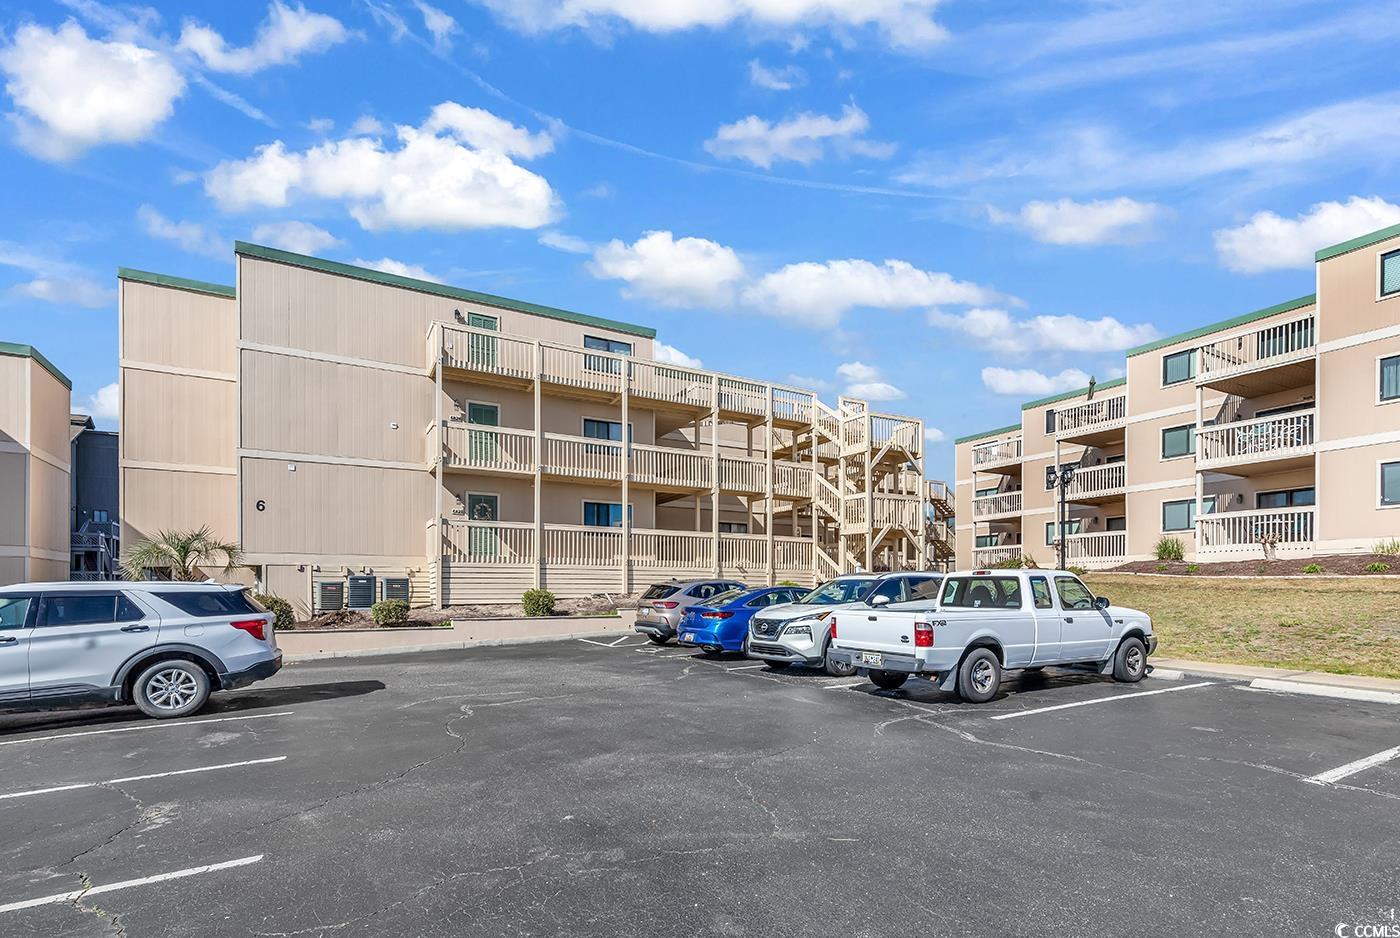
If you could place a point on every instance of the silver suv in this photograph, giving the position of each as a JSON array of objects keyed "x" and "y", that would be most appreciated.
[
  {"x": 162, "y": 646},
  {"x": 663, "y": 605}
]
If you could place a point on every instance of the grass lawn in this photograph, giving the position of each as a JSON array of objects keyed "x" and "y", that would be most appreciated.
[{"x": 1347, "y": 626}]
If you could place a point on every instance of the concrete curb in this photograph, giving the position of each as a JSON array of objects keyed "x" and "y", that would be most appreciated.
[
  {"x": 1325, "y": 690},
  {"x": 442, "y": 646},
  {"x": 1316, "y": 683}
]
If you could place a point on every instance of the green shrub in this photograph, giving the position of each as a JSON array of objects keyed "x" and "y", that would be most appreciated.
[
  {"x": 1169, "y": 549},
  {"x": 1378, "y": 567},
  {"x": 389, "y": 612},
  {"x": 1192, "y": 567},
  {"x": 1162, "y": 568},
  {"x": 1078, "y": 571},
  {"x": 538, "y": 603},
  {"x": 1313, "y": 568},
  {"x": 283, "y": 617},
  {"x": 1010, "y": 563},
  {"x": 1389, "y": 547},
  {"x": 788, "y": 583}
]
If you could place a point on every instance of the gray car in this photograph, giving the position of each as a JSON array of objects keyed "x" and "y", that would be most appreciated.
[
  {"x": 663, "y": 605},
  {"x": 159, "y": 645}
]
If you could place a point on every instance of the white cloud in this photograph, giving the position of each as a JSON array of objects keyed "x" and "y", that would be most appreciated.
[
  {"x": 809, "y": 381},
  {"x": 673, "y": 272},
  {"x": 567, "y": 243},
  {"x": 105, "y": 404},
  {"x": 1069, "y": 222},
  {"x": 1271, "y": 242},
  {"x": 366, "y": 126},
  {"x": 69, "y": 291},
  {"x": 390, "y": 266},
  {"x": 190, "y": 236},
  {"x": 902, "y": 23},
  {"x": 1027, "y": 382},
  {"x": 320, "y": 125},
  {"x": 286, "y": 35},
  {"x": 671, "y": 355},
  {"x": 440, "y": 24},
  {"x": 72, "y": 93},
  {"x": 819, "y": 294},
  {"x": 299, "y": 237},
  {"x": 802, "y": 139},
  {"x": 996, "y": 330},
  {"x": 784, "y": 78},
  {"x": 934, "y": 435},
  {"x": 867, "y": 383},
  {"x": 454, "y": 172}
]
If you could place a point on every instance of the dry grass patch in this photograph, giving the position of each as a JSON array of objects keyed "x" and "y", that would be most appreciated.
[{"x": 1346, "y": 626}]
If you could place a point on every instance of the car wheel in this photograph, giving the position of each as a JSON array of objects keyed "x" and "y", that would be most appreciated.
[
  {"x": 1130, "y": 664},
  {"x": 888, "y": 680},
  {"x": 171, "y": 688},
  {"x": 979, "y": 676},
  {"x": 836, "y": 668},
  {"x": 658, "y": 639},
  {"x": 777, "y": 665}
]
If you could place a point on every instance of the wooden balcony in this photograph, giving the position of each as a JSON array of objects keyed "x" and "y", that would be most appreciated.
[
  {"x": 1002, "y": 454},
  {"x": 1265, "y": 444},
  {"x": 1097, "y": 550},
  {"x": 1093, "y": 422},
  {"x": 1251, "y": 364},
  {"x": 1241, "y": 533},
  {"x": 1094, "y": 484},
  {"x": 1000, "y": 505}
]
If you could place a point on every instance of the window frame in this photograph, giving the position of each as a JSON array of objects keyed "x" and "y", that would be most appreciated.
[
  {"x": 970, "y": 580},
  {"x": 1191, "y": 357},
  {"x": 1050, "y": 421},
  {"x": 31, "y": 612},
  {"x": 607, "y": 345},
  {"x": 1381, "y": 258},
  {"x": 1288, "y": 492},
  {"x": 1071, "y": 578},
  {"x": 583, "y": 514},
  {"x": 1190, "y": 429},
  {"x": 1211, "y": 500},
  {"x": 1049, "y": 593},
  {"x": 1077, "y": 523},
  {"x": 1380, "y": 377},
  {"x": 1381, "y": 465},
  {"x": 41, "y": 621}
]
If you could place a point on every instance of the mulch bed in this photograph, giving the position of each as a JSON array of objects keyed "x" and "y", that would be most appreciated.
[
  {"x": 1332, "y": 565},
  {"x": 592, "y": 606}
]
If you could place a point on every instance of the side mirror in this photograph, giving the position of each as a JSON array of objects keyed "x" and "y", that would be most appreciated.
[
  {"x": 1101, "y": 602},
  {"x": 880, "y": 601}
]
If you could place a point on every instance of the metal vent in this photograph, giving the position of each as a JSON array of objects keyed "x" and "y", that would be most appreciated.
[
  {"x": 330, "y": 595},
  {"x": 396, "y": 588},
  {"x": 361, "y": 592}
]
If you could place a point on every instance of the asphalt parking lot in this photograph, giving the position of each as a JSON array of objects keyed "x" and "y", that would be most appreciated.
[{"x": 614, "y": 788}]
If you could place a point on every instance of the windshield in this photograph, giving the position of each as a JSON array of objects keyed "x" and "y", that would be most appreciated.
[{"x": 836, "y": 592}]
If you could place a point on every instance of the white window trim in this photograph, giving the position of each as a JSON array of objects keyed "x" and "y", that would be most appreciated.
[
  {"x": 631, "y": 433},
  {"x": 1380, "y": 270},
  {"x": 599, "y": 501},
  {"x": 1380, "y": 466},
  {"x": 1380, "y": 401},
  {"x": 1161, "y": 513},
  {"x": 1162, "y": 439},
  {"x": 467, "y": 502},
  {"x": 467, "y": 410},
  {"x": 1195, "y": 367}
]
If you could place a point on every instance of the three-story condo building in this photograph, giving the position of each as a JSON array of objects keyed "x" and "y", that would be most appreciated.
[
  {"x": 34, "y": 466},
  {"x": 1280, "y": 425},
  {"x": 364, "y": 435}
]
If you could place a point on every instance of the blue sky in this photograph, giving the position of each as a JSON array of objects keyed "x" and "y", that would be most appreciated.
[{"x": 953, "y": 206}]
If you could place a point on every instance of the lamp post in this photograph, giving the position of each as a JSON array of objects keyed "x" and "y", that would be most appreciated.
[{"x": 1059, "y": 477}]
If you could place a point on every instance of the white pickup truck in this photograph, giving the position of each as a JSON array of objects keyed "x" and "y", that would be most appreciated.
[{"x": 988, "y": 621}]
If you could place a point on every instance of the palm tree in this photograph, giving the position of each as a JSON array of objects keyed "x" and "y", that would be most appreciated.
[{"x": 183, "y": 553}]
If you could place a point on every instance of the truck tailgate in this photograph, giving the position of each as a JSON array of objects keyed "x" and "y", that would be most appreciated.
[{"x": 871, "y": 630}]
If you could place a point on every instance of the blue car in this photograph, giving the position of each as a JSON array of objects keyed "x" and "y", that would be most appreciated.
[{"x": 721, "y": 623}]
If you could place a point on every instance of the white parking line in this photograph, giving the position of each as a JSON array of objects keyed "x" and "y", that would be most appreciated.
[
  {"x": 127, "y": 884},
  {"x": 1090, "y": 703},
  {"x": 139, "y": 778},
  {"x": 142, "y": 726},
  {"x": 1351, "y": 768},
  {"x": 746, "y": 667},
  {"x": 844, "y": 686}
]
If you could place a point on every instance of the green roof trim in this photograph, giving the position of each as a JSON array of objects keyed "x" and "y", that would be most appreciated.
[
  {"x": 1287, "y": 306},
  {"x": 1101, "y": 386},
  {"x": 29, "y": 351},
  {"x": 977, "y": 436},
  {"x": 1355, "y": 244},
  {"x": 438, "y": 289},
  {"x": 178, "y": 283}
]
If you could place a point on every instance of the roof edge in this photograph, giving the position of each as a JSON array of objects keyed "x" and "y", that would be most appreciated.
[
  {"x": 178, "y": 283},
  {"x": 1356, "y": 244},
  {"x": 985, "y": 433},
  {"x": 439, "y": 289},
  {"x": 1066, "y": 395},
  {"x": 29, "y": 351},
  {"x": 1267, "y": 311}
]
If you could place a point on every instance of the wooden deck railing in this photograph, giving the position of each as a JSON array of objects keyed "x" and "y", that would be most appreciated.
[
  {"x": 1236, "y": 532},
  {"x": 1098, "y": 481},
  {"x": 992, "y": 506},
  {"x": 1103, "y": 414},
  {"x": 1269, "y": 347},
  {"x": 999, "y": 453},
  {"x": 1099, "y": 549},
  {"x": 1257, "y": 440}
]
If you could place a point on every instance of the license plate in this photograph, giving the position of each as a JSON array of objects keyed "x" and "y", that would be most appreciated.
[
  {"x": 872, "y": 659},
  {"x": 688, "y": 637}
]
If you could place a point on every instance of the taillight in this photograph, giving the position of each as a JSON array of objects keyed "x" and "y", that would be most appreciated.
[
  {"x": 254, "y": 627},
  {"x": 833, "y": 626},
  {"x": 923, "y": 635},
  {"x": 668, "y": 605},
  {"x": 716, "y": 615}
]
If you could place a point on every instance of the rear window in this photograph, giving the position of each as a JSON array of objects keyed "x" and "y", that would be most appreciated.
[
  {"x": 982, "y": 592},
  {"x": 211, "y": 603},
  {"x": 659, "y": 591}
]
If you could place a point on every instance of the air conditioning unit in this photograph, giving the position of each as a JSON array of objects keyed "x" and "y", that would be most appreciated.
[
  {"x": 361, "y": 592},
  {"x": 396, "y": 588},
  {"x": 330, "y": 596}
]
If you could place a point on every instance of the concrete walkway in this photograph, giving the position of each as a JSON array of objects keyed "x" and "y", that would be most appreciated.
[{"x": 1349, "y": 686}]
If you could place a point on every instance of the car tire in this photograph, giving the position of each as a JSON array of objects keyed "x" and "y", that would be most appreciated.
[
  {"x": 171, "y": 688},
  {"x": 777, "y": 665},
  {"x": 658, "y": 639},
  {"x": 979, "y": 676},
  {"x": 888, "y": 680},
  {"x": 1130, "y": 663},
  {"x": 836, "y": 668}
]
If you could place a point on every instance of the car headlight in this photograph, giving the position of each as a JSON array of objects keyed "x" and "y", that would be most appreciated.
[
  {"x": 804, "y": 626},
  {"x": 795, "y": 630}
]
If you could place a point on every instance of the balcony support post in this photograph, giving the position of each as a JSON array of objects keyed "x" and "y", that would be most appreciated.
[
  {"x": 714, "y": 469},
  {"x": 539, "y": 465},
  {"x": 869, "y": 494},
  {"x": 695, "y": 425},
  {"x": 768, "y": 483},
  {"x": 626, "y": 478},
  {"x": 812, "y": 504},
  {"x": 1200, "y": 476},
  {"x": 438, "y": 479}
]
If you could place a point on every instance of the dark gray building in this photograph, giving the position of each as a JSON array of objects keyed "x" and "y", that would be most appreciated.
[{"x": 96, "y": 517}]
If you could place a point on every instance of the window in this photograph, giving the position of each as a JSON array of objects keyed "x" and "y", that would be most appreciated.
[
  {"x": 1073, "y": 594},
  {"x": 1285, "y": 409},
  {"x": 211, "y": 603},
  {"x": 709, "y": 590},
  {"x": 604, "y": 514},
  {"x": 1293, "y": 498},
  {"x": 1071, "y": 527},
  {"x": 982, "y": 592},
  {"x": 1040, "y": 593},
  {"x": 1390, "y": 378},
  {"x": 1390, "y": 273},
  {"x": 924, "y": 587},
  {"x": 734, "y": 527},
  {"x": 1049, "y": 422},
  {"x": 88, "y": 609},
  {"x": 602, "y": 429},
  {"x": 14, "y": 610},
  {"x": 607, "y": 345},
  {"x": 1181, "y": 515},
  {"x": 1390, "y": 483},
  {"x": 893, "y": 589},
  {"x": 659, "y": 591},
  {"x": 982, "y": 493},
  {"x": 1178, "y": 441},
  {"x": 1178, "y": 367},
  {"x": 99, "y": 515},
  {"x": 988, "y": 540},
  {"x": 838, "y": 591}
]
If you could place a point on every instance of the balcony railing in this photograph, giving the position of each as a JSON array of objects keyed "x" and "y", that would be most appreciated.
[
  {"x": 1240, "y": 532},
  {"x": 1259, "y": 440},
  {"x": 991, "y": 556},
  {"x": 1098, "y": 481},
  {"x": 996, "y": 506},
  {"x": 1099, "y": 549},
  {"x": 1092, "y": 416},
  {"x": 475, "y": 447},
  {"x": 1000, "y": 453},
  {"x": 1269, "y": 347}
]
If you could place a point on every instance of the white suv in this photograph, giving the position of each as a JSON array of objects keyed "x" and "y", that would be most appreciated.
[{"x": 162, "y": 646}]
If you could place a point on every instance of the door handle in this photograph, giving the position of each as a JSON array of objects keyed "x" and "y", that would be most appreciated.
[
  {"x": 1069, "y": 618},
  {"x": 871, "y": 618},
  {"x": 136, "y": 628},
  {"x": 8, "y": 640}
]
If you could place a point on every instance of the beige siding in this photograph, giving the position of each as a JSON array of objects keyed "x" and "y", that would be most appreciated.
[
  {"x": 178, "y": 420},
  {"x": 1349, "y": 390},
  {"x": 1349, "y": 288},
  {"x": 155, "y": 500},
  {"x": 49, "y": 517},
  {"x": 14, "y": 499},
  {"x": 178, "y": 328},
  {"x": 49, "y": 403},
  {"x": 1352, "y": 519}
]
